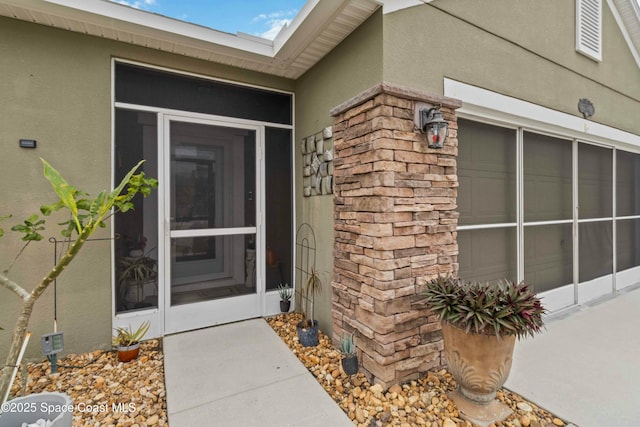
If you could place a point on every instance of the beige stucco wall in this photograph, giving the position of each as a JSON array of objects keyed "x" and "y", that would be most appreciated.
[
  {"x": 527, "y": 52},
  {"x": 355, "y": 65},
  {"x": 52, "y": 92},
  {"x": 56, "y": 88}
]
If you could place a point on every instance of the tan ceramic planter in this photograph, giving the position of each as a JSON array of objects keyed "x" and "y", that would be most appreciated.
[{"x": 480, "y": 365}]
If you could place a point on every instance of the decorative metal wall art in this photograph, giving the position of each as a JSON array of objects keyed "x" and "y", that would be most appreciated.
[
  {"x": 586, "y": 108},
  {"x": 317, "y": 163}
]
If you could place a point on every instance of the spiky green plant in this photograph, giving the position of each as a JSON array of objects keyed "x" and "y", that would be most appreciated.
[
  {"x": 498, "y": 307},
  {"x": 136, "y": 270},
  {"x": 285, "y": 292},
  {"x": 126, "y": 337},
  {"x": 348, "y": 344},
  {"x": 312, "y": 287}
]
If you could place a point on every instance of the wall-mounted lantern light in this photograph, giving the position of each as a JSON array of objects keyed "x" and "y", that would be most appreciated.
[{"x": 436, "y": 128}]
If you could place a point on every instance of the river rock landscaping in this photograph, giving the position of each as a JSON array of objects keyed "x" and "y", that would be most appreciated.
[
  {"x": 104, "y": 391},
  {"x": 419, "y": 403}
]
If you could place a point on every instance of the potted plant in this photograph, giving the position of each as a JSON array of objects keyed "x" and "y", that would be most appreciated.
[
  {"x": 349, "y": 355},
  {"x": 127, "y": 341},
  {"x": 308, "y": 326},
  {"x": 135, "y": 246},
  {"x": 285, "y": 293},
  {"x": 480, "y": 323},
  {"x": 135, "y": 272}
]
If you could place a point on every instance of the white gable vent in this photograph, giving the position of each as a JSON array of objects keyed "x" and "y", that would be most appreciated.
[{"x": 589, "y": 28}]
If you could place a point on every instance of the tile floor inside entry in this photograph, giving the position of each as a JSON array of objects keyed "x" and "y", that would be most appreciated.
[{"x": 209, "y": 294}]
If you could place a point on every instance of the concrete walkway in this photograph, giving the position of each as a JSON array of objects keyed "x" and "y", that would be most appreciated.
[
  {"x": 242, "y": 374},
  {"x": 586, "y": 366}
]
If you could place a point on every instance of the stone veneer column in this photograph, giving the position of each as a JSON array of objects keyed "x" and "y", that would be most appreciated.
[{"x": 395, "y": 228}]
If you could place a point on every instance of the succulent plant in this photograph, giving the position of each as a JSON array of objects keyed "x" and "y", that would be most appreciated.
[
  {"x": 136, "y": 269},
  {"x": 126, "y": 337},
  {"x": 498, "y": 307},
  {"x": 285, "y": 292},
  {"x": 348, "y": 344}
]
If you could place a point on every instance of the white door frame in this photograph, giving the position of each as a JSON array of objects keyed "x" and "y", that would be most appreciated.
[
  {"x": 269, "y": 301},
  {"x": 207, "y": 313}
]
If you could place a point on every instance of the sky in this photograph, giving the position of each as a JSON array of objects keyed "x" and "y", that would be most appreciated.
[{"x": 262, "y": 18}]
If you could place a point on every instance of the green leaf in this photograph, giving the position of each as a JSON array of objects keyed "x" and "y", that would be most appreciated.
[
  {"x": 114, "y": 198},
  {"x": 47, "y": 210},
  {"x": 97, "y": 202},
  {"x": 2, "y": 218},
  {"x": 84, "y": 204},
  {"x": 31, "y": 228},
  {"x": 65, "y": 192}
]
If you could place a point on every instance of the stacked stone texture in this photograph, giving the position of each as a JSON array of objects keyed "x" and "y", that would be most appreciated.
[{"x": 395, "y": 229}]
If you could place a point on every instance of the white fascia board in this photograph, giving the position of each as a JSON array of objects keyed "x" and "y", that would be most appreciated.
[
  {"x": 285, "y": 33},
  {"x": 485, "y": 104},
  {"x": 106, "y": 10},
  {"x": 390, "y": 6},
  {"x": 623, "y": 27},
  {"x": 311, "y": 21}
]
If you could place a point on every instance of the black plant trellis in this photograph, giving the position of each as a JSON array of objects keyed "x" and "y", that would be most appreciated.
[
  {"x": 66, "y": 241},
  {"x": 305, "y": 255}
]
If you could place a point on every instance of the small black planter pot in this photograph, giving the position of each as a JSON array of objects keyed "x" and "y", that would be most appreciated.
[
  {"x": 308, "y": 336},
  {"x": 350, "y": 364},
  {"x": 285, "y": 306}
]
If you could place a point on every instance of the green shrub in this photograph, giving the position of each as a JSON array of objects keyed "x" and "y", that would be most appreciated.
[{"x": 498, "y": 307}]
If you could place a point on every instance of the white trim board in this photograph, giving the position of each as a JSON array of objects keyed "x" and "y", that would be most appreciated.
[
  {"x": 626, "y": 27},
  {"x": 483, "y": 103},
  {"x": 390, "y": 6}
]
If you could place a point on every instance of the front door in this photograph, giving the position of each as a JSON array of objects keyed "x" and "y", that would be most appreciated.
[{"x": 211, "y": 223}]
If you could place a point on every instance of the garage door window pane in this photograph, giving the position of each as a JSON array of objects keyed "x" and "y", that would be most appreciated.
[
  {"x": 488, "y": 254},
  {"x": 595, "y": 193},
  {"x": 628, "y": 244},
  {"x": 547, "y": 178},
  {"x": 596, "y": 250},
  {"x": 548, "y": 256},
  {"x": 487, "y": 173},
  {"x": 628, "y": 188}
]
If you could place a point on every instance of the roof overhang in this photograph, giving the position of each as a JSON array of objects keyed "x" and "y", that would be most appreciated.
[
  {"x": 627, "y": 15},
  {"x": 318, "y": 28}
]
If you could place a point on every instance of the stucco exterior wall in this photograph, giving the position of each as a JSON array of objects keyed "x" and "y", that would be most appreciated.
[
  {"x": 355, "y": 65},
  {"x": 527, "y": 52},
  {"x": 56, "y": 89}
]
